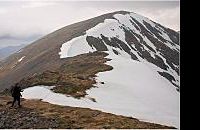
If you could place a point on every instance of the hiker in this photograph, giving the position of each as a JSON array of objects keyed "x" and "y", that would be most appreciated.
[{"x": 16, "y": 94}]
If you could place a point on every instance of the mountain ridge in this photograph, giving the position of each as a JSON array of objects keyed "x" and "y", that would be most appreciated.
[
  {"x": 54, "y": 40},
  {"x": 122, "y": 54}
]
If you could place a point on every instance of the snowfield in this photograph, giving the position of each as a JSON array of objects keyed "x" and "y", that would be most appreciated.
[
  {"x": 113, "y": 28},
  {"x": 132, "y": 88}
]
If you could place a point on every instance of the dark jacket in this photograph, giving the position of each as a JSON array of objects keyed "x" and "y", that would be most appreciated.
[{"x": 16, "y": 91}]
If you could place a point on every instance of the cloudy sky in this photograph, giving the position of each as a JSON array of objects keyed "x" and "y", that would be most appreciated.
[{"x": 22, "y": 22}]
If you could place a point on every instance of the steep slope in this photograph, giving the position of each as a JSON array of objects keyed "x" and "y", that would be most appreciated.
[
  {"x": 132, "y": 36},
  {"x": 140, "y": 38},
  {"x": 43, "y": 54},
  {"x": 143, "y": 55},
  {"x": 145, "y": 60}
]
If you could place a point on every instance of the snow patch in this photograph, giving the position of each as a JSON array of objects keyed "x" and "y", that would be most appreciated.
[
  {"x": 18, "y": 61},
  {"x": 21, "y": 59},
  {"x": 73, "y": 48},
  {"x": 130, "y": 89}
]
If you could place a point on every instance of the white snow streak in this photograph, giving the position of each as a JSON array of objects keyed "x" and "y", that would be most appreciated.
[
  {"x": 18, "y": 61},
  {"x": 21, "y": 59}
]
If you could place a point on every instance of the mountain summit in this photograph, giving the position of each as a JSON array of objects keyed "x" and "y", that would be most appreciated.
[
  {"x": 132, "y": 61},
  {"x": 123, "y": 33}
]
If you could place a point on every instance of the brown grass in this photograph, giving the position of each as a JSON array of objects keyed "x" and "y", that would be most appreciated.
[
  {"x": 70, "y": 117},
  {"x": 74, "y": 77}
]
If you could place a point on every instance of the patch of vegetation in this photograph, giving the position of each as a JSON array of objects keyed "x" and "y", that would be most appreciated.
[{"x": 74, "y": 77}]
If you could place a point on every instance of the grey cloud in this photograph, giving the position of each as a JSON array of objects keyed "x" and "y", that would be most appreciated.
[{"x": 23, "y": 22}]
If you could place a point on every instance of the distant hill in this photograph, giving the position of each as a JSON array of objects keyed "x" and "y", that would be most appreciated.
[{"x": 7, "y": 51}]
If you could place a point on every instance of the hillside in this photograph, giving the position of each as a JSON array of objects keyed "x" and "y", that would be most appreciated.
[
  {"x": 121, "y": 62},
  {"x": 149, "y": 42},
  {"x": 43, "y": 54},
  {"x": 40, "y": 115}
]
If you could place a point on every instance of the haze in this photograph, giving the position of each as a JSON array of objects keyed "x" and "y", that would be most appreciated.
[{"x": 23, "y": 22}]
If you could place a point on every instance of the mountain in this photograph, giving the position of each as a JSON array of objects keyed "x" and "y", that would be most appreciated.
[
  {"x": 120, "y": 62},
  {"x": 147, "y": 41},
  {"x": 6, "y": 51}
]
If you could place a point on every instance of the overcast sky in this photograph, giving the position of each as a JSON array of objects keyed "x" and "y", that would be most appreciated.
[{"x": 22, "y": 22}]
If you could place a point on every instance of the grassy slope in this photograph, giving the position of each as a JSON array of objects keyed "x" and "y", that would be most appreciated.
[
  {"x": 38, "y": 114},
  {"x": 74, "y": 77}
]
